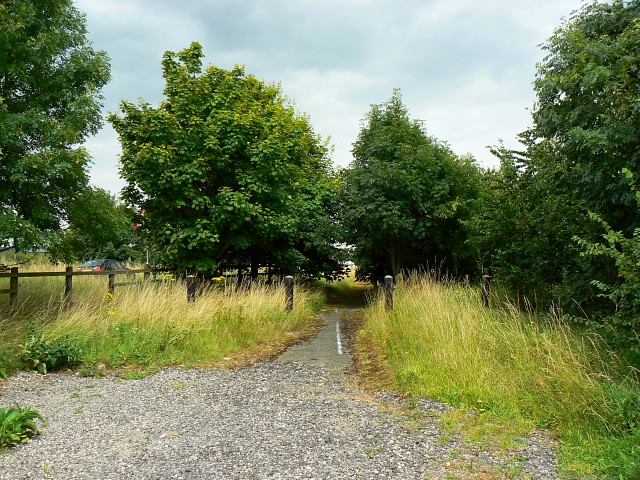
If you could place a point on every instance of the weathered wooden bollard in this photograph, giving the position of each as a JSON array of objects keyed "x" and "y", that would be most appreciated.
[
  {"x": 388, "y": 291},
  {"x": 486, "y": 290},
  {"x": 288, "y": 289},
  {"x": 191, "y": 288}
]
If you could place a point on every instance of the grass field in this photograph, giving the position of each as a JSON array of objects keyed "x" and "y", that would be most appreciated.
[
  {"x": 518, "y": 372},
  {"x": 141, "y": 328}
]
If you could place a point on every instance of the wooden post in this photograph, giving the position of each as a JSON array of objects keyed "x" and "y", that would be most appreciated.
[
  {"x": 288, "y": 287},
  {"x": 145, "y": 278},
  {"x": 112, "y": 283},
  {"x": 486, "y": 290},
  {"x": 13, "y": 287},
  {"x": 68, "y": 285},
  {"x": 388, "y": 291},
  {"x": 191, "y": 288}
]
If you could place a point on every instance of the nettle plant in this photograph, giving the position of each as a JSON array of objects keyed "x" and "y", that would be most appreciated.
[
  {"x": 48, "y": 355},
  {"x": 18, "y": 425}
]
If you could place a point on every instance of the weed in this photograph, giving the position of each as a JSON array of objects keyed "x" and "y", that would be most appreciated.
[
  {"x": 8, "y": 361},
  {"x": 136, "y": 373},
  {"x": 17, "y": 425},
  {"x": 92, "y": 368},
  {"x": 445, "y": 438},
  {"x": 48, "y": 355}
]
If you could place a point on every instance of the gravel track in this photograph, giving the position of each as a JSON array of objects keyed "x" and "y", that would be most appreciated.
[{"x": 276, "y": 420}]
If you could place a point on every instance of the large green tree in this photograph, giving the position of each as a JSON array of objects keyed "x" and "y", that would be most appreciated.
[
  {"x": 404, "y": 196},
  {"x": 586, "y": 130},
  {"x": 50, "y": 81},
  {"x": 586, "y": 121},
  {"x": 523, "y": 232},
  {"x": 228, "y": 174}
]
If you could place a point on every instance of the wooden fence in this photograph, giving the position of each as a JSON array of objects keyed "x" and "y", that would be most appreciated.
[{"x": 69, "y": 273}]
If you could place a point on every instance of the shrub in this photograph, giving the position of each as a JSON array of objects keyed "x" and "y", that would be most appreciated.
[
  {"x": 624, "y": 293},
  {"x": 48, "y": 355}
]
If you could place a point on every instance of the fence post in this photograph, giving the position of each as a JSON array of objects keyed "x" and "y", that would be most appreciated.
[
  {"x": 13, "y": 287},
  {"x": 288, "y": 287},
  {"x": 191, "y": 288},
  {"x": 112, "y": 283},
  {"x": 486, "y": 290},
  {"x": 146, "y": 275},
  {"x": 388, "y": 291},
  {"x": 68, "y": 285}
]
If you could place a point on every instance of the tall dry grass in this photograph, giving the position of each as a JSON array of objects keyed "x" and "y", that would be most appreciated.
[
  {"x": 38, "y": 293},
  {"x": 154, "y": 324},
  {"x": 440, "y": 343},
  {"x": 158, "y": 325}
]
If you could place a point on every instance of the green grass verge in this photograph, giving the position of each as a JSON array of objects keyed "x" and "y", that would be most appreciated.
[
  {"x": 519, "y": 372},
  {"x": 147, "y": 327}
]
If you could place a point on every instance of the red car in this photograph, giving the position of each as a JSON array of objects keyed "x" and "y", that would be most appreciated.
[{"x": 101, "y": 264}]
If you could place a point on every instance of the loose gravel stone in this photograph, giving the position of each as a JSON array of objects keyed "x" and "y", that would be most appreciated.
[{"x": 274, "y": 420}]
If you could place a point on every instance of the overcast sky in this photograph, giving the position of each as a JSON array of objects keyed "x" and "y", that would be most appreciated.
[{"x": 465, "y": 67}]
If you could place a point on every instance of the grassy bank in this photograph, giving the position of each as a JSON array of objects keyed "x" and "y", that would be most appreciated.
[
  {"x": 141, "y": 328},
  {"x": 518, "y": 372}
]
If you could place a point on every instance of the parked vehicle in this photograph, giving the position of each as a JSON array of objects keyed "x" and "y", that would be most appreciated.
[{"x": 101, "y": 264}]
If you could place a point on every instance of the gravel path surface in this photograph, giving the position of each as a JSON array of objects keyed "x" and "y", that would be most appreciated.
[{"x": 277, "y": 420}]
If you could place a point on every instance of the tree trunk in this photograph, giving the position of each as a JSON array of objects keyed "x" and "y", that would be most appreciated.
[
  {"x": 396, "y": 256},
  {"x": 255, "y": 267},
  {"x": 240, "y": 275},
  {"x": 520, "y": 294}
]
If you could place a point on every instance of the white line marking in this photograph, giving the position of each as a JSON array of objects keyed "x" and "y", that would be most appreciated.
[{"x": 338, "y": 341}]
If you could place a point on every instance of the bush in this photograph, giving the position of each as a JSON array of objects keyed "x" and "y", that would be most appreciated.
[
  {"x": 45, "y": 355},
  {"x": 624, "y": 293}
]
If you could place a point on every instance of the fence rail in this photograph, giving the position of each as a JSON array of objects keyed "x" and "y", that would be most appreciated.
[{"x": 69, "y": 273}]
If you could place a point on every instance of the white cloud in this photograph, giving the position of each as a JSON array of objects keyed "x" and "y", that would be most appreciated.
[
  {"x": 477, "y": 115},
  {"x": 106, "y": 150},
  {"x": 334, "y": 101},
  {"x": 464, "y": 66}
]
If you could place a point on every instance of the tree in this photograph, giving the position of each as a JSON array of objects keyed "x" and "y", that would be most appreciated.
[
  {"x": 50, "y": 81},
  {"x": 404, "y": 196},
  {"x": 99, "y": 226},
  {"x": 228, "y": 174},
  {"x": 586, "y": 129},
  {"x": 587, "y": 114},
  {"x": 522, "y": 232}
]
